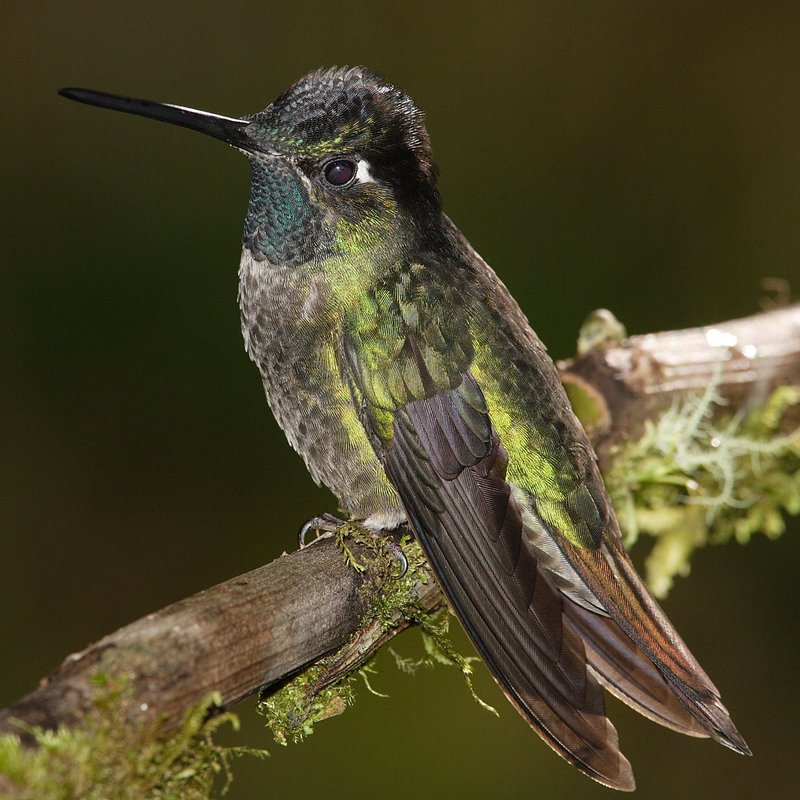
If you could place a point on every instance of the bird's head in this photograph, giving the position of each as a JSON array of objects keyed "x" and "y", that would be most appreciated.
[{"x": 341, "y": 164}]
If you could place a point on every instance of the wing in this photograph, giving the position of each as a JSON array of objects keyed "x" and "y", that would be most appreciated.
[
  {"x": 452, "y": 480},
  {"x": 569, "y": 523},
  {"x": 508, "y": 505},
  {"x": 430, "y": 426}
]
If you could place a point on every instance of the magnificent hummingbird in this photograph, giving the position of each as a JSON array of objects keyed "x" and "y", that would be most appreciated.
[{"x": 411, "y": 383}]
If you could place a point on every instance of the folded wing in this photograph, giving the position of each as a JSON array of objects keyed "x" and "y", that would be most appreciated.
[{"x": 449, "y": 466}]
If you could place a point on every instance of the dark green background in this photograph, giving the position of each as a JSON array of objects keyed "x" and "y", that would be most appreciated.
[{"x": 640, "y": 156}]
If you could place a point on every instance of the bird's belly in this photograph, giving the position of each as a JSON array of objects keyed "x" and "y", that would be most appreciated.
[
  {"x": 296, "y": 357},
  {"x": 315, "y": 411}
]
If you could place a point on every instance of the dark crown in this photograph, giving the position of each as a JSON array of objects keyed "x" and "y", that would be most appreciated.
[{"x": 343, "y": 110}]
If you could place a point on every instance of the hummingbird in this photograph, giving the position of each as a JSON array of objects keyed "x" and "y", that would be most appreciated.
[{"x": 405, "y": 374}]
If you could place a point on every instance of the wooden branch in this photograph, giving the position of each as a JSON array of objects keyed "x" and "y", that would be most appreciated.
[
  {"x": 634, "y": 380},
  {"x": 255, "y": 630},
  {"x": 246, "y": 633}
]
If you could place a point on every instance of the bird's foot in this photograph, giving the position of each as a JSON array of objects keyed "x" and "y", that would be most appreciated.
[
  {"x": 401, "y": 559},
  {"x": 397, "y": 553},
  {"x": 325, "y": 525}
]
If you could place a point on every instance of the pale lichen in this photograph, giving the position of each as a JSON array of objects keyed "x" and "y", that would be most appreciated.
[{"x": 698, "y": 475}]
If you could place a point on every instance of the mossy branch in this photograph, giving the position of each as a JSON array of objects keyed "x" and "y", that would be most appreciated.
[{"x": 696, "y": 432}]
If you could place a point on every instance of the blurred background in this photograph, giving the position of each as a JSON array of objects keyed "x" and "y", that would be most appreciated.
[{"x": 639, "y": 156}]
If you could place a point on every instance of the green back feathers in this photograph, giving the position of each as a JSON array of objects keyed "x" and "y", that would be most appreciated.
[{"x": 398, "y": 347}]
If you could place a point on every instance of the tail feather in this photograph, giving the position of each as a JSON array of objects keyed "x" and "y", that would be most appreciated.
[
  {"x": 609, "y": 573},
  {"x": 626, "y": 672}
]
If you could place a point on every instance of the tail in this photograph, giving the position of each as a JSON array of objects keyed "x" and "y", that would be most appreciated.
[{"x": 610, "y": 575}]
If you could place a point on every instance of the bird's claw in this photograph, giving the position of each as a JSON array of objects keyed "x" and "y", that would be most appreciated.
[
  {"x": 400, "y": 557},
  {"x": 325, "y": 525}
]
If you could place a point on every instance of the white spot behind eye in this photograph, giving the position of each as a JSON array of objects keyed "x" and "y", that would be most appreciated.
[{"x": 363, "y": 174}]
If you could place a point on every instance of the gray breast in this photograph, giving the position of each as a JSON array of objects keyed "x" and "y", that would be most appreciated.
[{"x": 290, "y": 333}]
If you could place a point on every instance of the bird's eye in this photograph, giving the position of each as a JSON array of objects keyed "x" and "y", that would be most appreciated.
[{"x": 340, "y": 172}]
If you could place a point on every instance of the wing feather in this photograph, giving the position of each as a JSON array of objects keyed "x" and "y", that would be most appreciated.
[
  {"x": 534, "y": 568},
  {"x": 449, "y": 469}
]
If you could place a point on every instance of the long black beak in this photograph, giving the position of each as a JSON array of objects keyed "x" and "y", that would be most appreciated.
[{"x": 228, "y": 129}]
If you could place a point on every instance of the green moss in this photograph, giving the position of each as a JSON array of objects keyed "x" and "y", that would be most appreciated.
[
  {"x": 293, "y": 710},
  {"x": 105, "y": 757},
  {"x": 698, "y": 476},
  {"x": 599, "y": 330},
  {"x": 327, "y": 688},
  {"x": 585, "y": 403},
  {"x": 398, "y": 601},
  {"x": 350, "y": 530}
]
